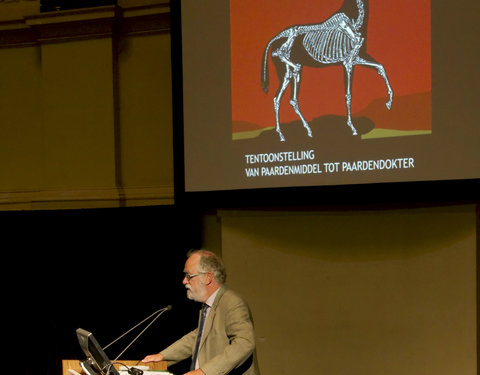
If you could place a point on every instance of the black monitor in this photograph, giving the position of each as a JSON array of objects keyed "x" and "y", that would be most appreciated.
[{"x": 97, "y": 362}]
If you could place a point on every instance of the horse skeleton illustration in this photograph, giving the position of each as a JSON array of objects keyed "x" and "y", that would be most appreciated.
[{"x": 338, "y": 40}]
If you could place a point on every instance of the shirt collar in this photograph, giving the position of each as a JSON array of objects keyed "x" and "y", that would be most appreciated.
[{"x": 211, "y": 299}]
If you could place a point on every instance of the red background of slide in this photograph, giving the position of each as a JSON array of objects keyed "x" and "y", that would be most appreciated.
[{"x": 398, "y": 36}]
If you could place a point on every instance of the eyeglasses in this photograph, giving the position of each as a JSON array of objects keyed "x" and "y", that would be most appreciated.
[{"x": 189, "y": 277}]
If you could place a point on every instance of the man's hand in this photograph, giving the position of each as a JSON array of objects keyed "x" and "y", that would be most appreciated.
[{"x": 153, "y": 358}]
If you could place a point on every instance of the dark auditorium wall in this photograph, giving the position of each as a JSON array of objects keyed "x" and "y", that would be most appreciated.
[{"x": 103, "y": 270}]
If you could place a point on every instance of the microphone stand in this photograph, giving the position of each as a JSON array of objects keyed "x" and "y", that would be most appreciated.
[{"x": 158, "y": 312}]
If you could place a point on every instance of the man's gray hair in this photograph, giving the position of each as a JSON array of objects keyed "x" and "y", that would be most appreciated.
[{"x": 211, "y": 262}]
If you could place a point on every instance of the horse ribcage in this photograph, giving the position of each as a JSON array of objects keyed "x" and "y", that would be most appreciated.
[{"x": 329, "y": 42}]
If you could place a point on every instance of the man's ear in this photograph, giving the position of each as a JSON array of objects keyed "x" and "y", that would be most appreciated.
[{"x": 208, "y": 278}]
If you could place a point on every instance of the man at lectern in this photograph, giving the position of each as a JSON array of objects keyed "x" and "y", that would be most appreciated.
[{"x": 224, "y": 342}]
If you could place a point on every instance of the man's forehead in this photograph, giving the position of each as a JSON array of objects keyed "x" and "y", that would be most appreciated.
[{"x": 191, "y": 263}]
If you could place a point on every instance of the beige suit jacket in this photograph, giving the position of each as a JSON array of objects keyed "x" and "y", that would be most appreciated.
[{"x": 228, "y": 340}]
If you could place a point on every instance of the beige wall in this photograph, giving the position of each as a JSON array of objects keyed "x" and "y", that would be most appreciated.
[
  {"x": 369, "y": 292},
  {"x": 85, "y": 100}
]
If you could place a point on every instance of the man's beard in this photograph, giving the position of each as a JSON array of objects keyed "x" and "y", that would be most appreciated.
[{"x": 195, "y": 295}]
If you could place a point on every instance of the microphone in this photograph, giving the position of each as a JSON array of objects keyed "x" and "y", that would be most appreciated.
[
  {"x": 135, "y": 371},
  {"x": 158, "y": 313}
]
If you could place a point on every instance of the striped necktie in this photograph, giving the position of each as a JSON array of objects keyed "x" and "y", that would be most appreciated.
[{"x": 199, "y": 336}]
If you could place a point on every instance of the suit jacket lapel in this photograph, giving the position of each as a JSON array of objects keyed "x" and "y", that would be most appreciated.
[{"x": 211, "y": 315}]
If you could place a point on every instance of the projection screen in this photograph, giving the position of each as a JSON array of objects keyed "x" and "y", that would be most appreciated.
[{"x": 315, "y": 93}]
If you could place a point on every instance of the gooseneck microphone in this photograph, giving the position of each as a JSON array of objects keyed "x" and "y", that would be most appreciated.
[{"x": 158, "y": 313}]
